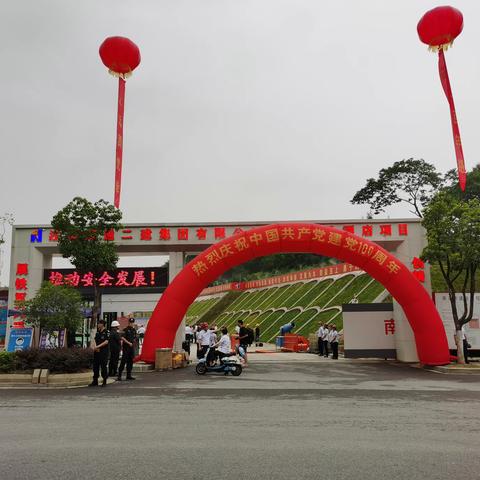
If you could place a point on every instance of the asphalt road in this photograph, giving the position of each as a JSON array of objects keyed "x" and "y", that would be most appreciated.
[{"x": 295, "y": 420}]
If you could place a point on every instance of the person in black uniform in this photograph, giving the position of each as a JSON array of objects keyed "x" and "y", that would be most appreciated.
[
  {"x": 243, "y": 337},
  {"x": 100, "y": 355},
  {"x": 115, "y": 344},
  {"x": 128, "y": 349}
]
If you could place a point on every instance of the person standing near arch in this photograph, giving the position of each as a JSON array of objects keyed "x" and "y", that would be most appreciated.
[
  {"x": 115, "y": 344},
  {"x": 325, "y": 334},
  {"x": 257, "y": 335},
  {"x": 100, "y": 355},
  {"x": 243, "y": 336},
  {"x": 128, "y": 350},
  {"x": 320, "y": 335},
  {"x": 333, "y": 339}
]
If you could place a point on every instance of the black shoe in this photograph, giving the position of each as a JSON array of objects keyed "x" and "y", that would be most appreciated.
[
  {"x": 93, "y": 384},
  {"x": 104, "y": 383},
  {"x": 130, "y": 378},
  {"x": 119, "y": 378}
]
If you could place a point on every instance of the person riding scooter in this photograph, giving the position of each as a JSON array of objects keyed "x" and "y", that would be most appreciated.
[{"x": 224, "y": 345}]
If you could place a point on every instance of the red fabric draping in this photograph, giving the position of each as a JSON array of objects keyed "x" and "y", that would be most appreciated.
[
  {"x": 119, "y": 142},
  {"x": 442, "y": 69}
]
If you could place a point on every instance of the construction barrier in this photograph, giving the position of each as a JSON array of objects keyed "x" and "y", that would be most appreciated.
[{"x": 291, "y": 342}]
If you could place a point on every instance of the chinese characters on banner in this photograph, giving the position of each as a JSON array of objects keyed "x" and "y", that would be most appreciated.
[
  {"x": 418, "y": 269},
  {"x": 286, "y": 278},
  {"x": 213, "y": 234},
  {"x": 292, "y": 234},
  {"x": 21, "y": 286},
  {"x": 120, "y": 278}
]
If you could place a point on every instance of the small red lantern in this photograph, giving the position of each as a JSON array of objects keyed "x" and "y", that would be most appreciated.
[
  {"x": 438, "y": 28},
  {"x": 121, "y": 56}
]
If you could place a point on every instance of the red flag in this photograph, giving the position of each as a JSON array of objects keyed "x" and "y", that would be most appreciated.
[{"x": 442, "y": 69}]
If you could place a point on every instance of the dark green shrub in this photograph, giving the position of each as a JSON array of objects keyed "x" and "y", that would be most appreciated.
[
  {"x": 26, "y": 359},
  {"x": 66, "y": 360},
  {"x": 7, "y": 362},
  {"x": 57, "y": 360}
]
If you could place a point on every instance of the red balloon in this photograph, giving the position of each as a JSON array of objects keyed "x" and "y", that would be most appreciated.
[
  {"x": 120, "y": 55},
  {"x": 427, "y": 326},
  {"x": 440, "y": 26}
]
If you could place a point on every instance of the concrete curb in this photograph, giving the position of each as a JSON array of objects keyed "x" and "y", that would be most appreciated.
[
  {"x": 44, "y": 379},
  {"x": 457, "y": 369}
]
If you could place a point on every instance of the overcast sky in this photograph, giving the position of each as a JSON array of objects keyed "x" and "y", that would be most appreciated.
[{"x": 240, "y": 110}]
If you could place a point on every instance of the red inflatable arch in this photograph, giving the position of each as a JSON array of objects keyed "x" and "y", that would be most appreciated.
[{"x": 424, "y": 319}]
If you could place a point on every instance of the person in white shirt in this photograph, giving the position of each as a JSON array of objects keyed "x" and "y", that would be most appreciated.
[
  {"x": 212, "y": 341},
  {"x": 141, "y": 335},
  {"x": 333, "y": 339},
  {"x": 320, "y": 333},
  {"x": 326, "y": 331},
  {"x": 224, "y": 345},
  {"x": 203, "y": 339},
  {"x": 189, "y": 334}
]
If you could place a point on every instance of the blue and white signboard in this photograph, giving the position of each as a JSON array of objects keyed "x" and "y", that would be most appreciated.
[
  {"x": 20, "y": 339},
  {"x": 3, "y": 318}
]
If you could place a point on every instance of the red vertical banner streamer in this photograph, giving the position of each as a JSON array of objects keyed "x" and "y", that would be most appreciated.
[
  {"x": 119, "y": 142},
  {"x": 442, "y": 69}
]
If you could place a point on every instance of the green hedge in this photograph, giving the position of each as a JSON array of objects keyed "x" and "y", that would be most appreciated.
[
  {"x": 57, "y": 360},
  {"x": 7, "y": 362}
]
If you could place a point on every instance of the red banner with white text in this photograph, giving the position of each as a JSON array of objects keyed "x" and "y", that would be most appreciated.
[{"x": 286, "y": 278}]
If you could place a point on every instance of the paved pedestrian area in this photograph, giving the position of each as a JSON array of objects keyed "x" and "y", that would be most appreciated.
[{"x": 293, "y": 417}]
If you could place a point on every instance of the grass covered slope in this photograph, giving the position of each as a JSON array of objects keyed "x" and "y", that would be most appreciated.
[{"x": 306, "y": 302}]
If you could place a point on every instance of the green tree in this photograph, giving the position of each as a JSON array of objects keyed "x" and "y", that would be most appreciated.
[
  {"x": 81, "y": 226},
  {"x": 410, "y": 181},
  {"x": 55, "y": 307},
  {"x": 453, "y": 235},
  {"x": 472, "y": 189}
]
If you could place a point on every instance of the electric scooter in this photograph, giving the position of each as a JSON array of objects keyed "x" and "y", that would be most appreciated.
[{"x": 227, "y": 365}]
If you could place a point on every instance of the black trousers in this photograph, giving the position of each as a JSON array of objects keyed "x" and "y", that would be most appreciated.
[
  {"x": 465, "y": 351},
  {"x": 320, "y": 346},
  {"x": 334, "y": 350},
  {"x": 113, "y": 363},
  {"x": 211, "y": 356},
  {"x": 100, "y": 363},
  {"x": 325, "y": 348},
  {"x": 127, "y": 359}
]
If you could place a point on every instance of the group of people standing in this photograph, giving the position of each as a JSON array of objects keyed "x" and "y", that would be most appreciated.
[
  {"x": 207, "y": 339},
  {"x": 217, "y": 342},
  {"x": 107, "y": 347},
  {"x": 328, "y": 335}
]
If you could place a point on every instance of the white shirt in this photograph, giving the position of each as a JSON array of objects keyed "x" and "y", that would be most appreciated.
[
  {"x": 141, "y": 330},
  {"x": 237, "y": 329},
  {"x": 203, "y": 338},
  {"x": 212, "y": 336},
  {"x": 224, "y": 345},
  {"x": 320, "y": 332},
  {"x": 333, "y": 336},
  {"x": 325, "y": 333},
  {"x": 188, "y": 330}
]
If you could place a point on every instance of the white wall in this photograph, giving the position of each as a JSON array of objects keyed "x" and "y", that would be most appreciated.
[
  {"x": 366, "y": 331},
  {"x": 127, "y": 303}
]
